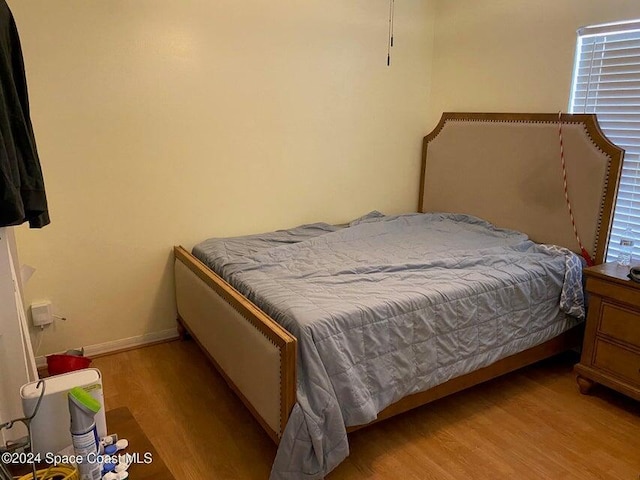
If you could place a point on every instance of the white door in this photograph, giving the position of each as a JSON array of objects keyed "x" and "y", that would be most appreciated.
[{"x": 17, "y": 363}]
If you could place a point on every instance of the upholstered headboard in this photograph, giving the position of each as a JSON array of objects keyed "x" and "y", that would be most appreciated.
[{"x": 506, "y": 168}]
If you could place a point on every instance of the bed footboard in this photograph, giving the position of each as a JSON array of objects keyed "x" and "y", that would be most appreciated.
[{"x": 255, "y": 355}]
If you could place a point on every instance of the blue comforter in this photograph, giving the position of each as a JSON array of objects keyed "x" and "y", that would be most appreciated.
[{"x": 393, "y": 305}]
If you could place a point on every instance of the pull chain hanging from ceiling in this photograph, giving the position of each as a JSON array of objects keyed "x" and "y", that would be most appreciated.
[{"x": 392, "y": 7}]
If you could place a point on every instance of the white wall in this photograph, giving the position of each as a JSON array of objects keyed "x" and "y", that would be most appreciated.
[
  {"x": 162, "y": 122},
  {"x": 511, "y": 55}
]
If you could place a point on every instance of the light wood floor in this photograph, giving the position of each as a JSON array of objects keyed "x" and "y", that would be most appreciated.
[{"x": 532, "y": 424}]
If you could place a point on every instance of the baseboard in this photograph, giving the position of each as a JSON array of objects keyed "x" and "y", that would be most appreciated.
[{"x": 123, "y": 344}]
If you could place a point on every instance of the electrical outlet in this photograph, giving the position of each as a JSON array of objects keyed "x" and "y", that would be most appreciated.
[{"x": 41, "y": 314}]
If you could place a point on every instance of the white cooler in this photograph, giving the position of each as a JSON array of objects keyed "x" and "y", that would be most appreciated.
[{"x": 50, "y": 427}]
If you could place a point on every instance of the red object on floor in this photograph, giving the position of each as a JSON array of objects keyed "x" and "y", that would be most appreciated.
[{"x": 62, "y": 363}]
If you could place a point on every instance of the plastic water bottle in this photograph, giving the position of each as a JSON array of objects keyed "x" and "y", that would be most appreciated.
[
  {"x": 626, "y": 248},
  {"x": 84, "y": 436}
]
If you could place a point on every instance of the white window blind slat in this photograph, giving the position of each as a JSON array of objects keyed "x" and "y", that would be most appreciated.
[
  {"x": 619, "y": 86},
  {"x": 608, "y": 69},
  {"x": 596, "y": 76},
  {"x": 621, "y": 132},
  {"x": 616, "y": 84},
  {"x": 606, "y": 91},
  {"x": 606, "y": 117},
  {"x": 613, "y": 104},
  {"x": 612, "y": 57},
  {"x": 621, "y": 49},
  {"x": 606, "y": 81}
]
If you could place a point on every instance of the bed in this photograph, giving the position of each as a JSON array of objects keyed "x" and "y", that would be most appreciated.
[{"x": 471, "y": 164}]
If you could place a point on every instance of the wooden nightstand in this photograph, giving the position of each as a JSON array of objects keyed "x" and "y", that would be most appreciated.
[{"x": 611, "y": 349}]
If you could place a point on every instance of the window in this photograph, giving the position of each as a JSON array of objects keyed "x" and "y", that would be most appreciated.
[{"x": 606, "y": 81}]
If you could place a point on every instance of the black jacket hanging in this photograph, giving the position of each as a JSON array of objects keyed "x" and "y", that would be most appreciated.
[{"x": 22, "y": 195}]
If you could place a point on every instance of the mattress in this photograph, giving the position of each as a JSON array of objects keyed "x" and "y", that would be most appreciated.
[{"x": 388, "y": 306}]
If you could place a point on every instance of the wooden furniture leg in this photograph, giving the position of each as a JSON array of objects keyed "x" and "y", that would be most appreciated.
[{"x": 584, "y": 384}]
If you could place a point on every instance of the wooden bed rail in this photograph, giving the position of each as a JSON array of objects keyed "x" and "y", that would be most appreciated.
[{"x": 251, "y": 317}]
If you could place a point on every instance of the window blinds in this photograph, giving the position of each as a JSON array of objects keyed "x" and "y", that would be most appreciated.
[{"x": 606, "y": 81}]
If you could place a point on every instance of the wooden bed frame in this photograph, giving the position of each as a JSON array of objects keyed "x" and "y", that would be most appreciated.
[{"x": 502, "y": 167}]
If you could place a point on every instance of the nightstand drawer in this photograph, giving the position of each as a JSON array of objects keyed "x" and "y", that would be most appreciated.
[
  {"x": 618, "y": 360},
  {"x": 620, "y": 323}
]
